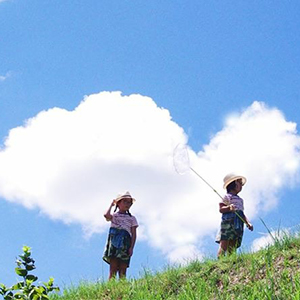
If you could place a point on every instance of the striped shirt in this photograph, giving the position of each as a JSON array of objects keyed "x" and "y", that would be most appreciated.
[
  {"x": 237, "y": 201},
  {"x": 123, "y": 221}
]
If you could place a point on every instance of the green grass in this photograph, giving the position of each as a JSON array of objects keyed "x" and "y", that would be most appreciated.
[{"x": 272, "y": 273}]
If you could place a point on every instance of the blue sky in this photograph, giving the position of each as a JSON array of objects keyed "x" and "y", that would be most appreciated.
[{"x": 221, "y": 76}]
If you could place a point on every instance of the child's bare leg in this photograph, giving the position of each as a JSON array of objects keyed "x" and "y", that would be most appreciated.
[
  {"x": 223, "y": 248},
  {"x": 232, "y": 246},
  {"x": 114, "y": 266},
  {"x": 122, "y": 269}
]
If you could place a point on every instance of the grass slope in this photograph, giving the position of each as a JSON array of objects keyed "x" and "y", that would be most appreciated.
[{"x": 272, "y": 273}]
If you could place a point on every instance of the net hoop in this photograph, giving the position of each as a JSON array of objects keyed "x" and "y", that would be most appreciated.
[{"x": 181, "y": 160}]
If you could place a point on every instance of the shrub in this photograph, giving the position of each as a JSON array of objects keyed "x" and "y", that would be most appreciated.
[{"x": 26, "y": 288}]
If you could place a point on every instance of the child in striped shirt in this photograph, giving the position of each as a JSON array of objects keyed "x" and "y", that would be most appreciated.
[{"x": 122, "y": 236}]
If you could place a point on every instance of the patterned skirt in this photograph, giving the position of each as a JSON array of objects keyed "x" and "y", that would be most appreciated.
[
  {"x": 117, "y": 245},
  {"x": 229, "y": 231}
]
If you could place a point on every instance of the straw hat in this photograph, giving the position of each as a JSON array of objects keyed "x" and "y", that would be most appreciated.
[
  {"x": 232, "y": 177},
  {"x": 124, "y": 196}
]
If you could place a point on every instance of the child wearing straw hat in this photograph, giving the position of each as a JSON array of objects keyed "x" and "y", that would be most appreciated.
[
  {"x": 121, "y": 237},
  {"x": 233, "y": 217}
]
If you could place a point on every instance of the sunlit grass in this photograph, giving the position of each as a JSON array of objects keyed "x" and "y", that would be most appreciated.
[{"x": 271, "y": 273}]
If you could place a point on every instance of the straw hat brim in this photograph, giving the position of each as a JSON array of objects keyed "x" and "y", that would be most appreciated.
[
  {"x": 231, "y": 179},
  {"x": 124, "y": 197}
]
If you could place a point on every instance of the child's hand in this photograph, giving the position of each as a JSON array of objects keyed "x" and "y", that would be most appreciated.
[
  {"x": 232, "y": 207},
  {"x": 113, "y": 203},
  {"x": 250, "y": 226}
]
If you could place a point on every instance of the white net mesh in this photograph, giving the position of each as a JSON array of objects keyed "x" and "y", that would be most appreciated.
[
  {"x": 182, "y": 165},
  {"x": 181, "y": 159}
]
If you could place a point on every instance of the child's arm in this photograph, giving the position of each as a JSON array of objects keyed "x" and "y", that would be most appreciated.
[
  {"x": 248, "y": 224},
  {"x": 133, "y": 239},
  {"x": 223, "y": 208},
  {"x": 108, "y": 215}
]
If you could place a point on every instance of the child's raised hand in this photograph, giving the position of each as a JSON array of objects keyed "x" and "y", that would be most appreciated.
[{"x": 113, "y": 203}]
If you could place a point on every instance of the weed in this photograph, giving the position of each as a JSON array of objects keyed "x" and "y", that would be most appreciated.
[
  {"x": 272, "y": 273},
  {"x": 26, "y": 289}
]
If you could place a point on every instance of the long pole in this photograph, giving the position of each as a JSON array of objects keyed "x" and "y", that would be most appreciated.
[
  {"x": 206, "y": 183},
  {"x": 215, "y": 192}
]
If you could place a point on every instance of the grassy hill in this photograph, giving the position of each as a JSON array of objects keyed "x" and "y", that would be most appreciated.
[{"x": 272, "y": 273}]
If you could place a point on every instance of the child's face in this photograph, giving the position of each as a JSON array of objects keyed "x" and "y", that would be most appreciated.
[
  {"x": 125, "y": 204},
  {"x": 239, "y": 185}
]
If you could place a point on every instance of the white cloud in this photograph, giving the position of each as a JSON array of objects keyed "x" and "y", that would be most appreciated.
[
  {"x": 8, "y": 74},
  {"x": 269, "y": 239},
  {"x": 185, "y": 254},
  {"x": 263, "y": 146},
  {"x": 71, "y": 164}
]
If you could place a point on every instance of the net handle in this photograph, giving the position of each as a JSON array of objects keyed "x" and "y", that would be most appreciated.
[
  {"x": 206, "y": 182},
  {"x": 189, "y": 167}
]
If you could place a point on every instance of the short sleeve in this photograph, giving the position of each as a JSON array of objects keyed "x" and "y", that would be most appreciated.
[
  {"x": 134, "y": 222},
  {"x": 226, "y": 199}
]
